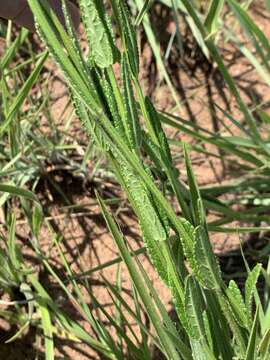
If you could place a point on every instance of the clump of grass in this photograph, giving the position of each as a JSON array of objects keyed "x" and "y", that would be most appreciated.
[{"x": 215, "y": 319}]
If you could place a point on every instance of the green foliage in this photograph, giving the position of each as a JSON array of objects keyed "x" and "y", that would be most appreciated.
[
  {"x": 131, "y": 123},
  {"x": 128, "y": 35},
  {"x": 99, "y": 33},
  {"x": 215, "y": 320}
]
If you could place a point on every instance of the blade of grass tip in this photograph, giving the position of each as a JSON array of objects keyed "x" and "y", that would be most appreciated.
[
  {"x": 146, "y": 115},
  {"x": 193, "y": 188},
  {"x": 128, "y": 35},
  {"x": 18, "y": 333},
  {"x": 251, "y": 291},
  {"x": 202, "y": 257},
  {"x": 23, "y": 93},
  {"x": 168, "y": 346},
  {"x": 236, "y": 329},
  {"x": 237, "y": 303}
]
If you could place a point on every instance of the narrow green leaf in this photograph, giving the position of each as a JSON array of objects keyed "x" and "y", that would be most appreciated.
[
  {"x": 143, "y": 11},
  {"x": 194, "y": 309},
  {"x": 18, "y": 333},
  {"x": 70, "y": 325},
  {"x": 250, "y": 287},
  {"x": 237, "y": 331},
  {"x": 23, "y": 93},
  {"x": 198, "y": 215},
  {"x": 264, "y": 116},
  {"x": 99, "y": 32},
  {"x": 237, "y": 303},
  {"x": 206, "y": 266},
  {"x": 128, "y": 35},
  {"x": 159, "y": 132},
  {"x": 180, "y": 40},
  {"x": 131, "y": 119},
  {"x": 156, "y": 50},
  {"x": 115, "y": 101},
  {"x": 47, "y": 330},
  {"x": 48, "y": 26},
  {"x": 36, "y": 220},
  {"x": 252, "y": 31},
  {"x": 220, "y": 329},
  {"x": 251, "y": 348},
  {"x": 168, "y": 345},
  {"x": 263, "y": 348},
  {"x": 15, "y": 190},
  {"x": 13, "y": 252},
  {"x": 201, "y": 351},
  {"x": 152, "y": 229},
  {"x": 211, "y": 21},
  {"x": 170, "y": 326},
  {"x": 13, "y": 49}
]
